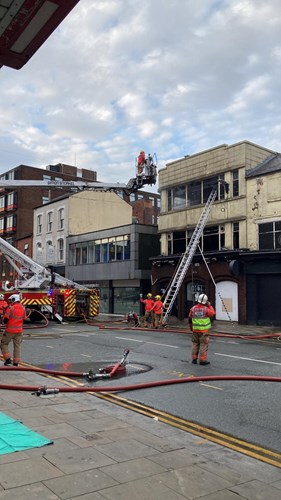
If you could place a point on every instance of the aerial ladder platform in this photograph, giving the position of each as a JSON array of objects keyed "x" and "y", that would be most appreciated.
[{"x": 188, "y": 255}]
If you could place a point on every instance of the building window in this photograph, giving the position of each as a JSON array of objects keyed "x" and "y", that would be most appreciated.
[
  {"x": 45, "y": 199},
  {"x": 61, "y": 218},
  {"x": 11, "y": 224},
  {"x": 235, "y": 183},
  {"x": 47, "y": 177},
  {"x": 11, "y": 201},
  {"x": 235, "y": 235},
  {"x": 39, "y": 252},
  {"x": 213, "y": 238},
  {"x": 2, "y": 203},
  {"x": 270, "y": 236},
  {"x": 194, "y": 193},
  {"x": 104, "y": 250},
  {"x": 60, "y": 249},
  {"x": 210, "y": 183},
  {"x": 108, "y": 249},
  {"x": 84, "y": 253},
  {"x": 2, "y": 225},
  {"x": 49, "y": 222},
  {"x": 50, "y": 252},
  {"x": 39, "y": 224}
]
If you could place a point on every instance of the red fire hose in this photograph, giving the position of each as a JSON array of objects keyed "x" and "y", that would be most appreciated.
[{"x": 54, "y": 390}]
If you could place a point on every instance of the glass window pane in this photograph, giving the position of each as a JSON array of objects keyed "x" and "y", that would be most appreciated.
[
  {"x": 179, "y": 193},
  {"x": 266, "y": 241},
  {"x": 194, "y": 193}
]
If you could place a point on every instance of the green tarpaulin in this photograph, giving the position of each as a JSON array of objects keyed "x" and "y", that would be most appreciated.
[{"x": 14, "y": 436}]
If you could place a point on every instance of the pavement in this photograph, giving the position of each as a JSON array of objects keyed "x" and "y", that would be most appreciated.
[{"x": 102, "y": 450}]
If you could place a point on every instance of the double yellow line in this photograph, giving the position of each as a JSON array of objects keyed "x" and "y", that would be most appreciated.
[
  {"x": 226, "y": 440},
  {"x": 254, "y": 451}
]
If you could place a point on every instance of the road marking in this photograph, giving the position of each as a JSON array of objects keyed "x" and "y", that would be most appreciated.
[
  {"x": 144, "y": 342},
  {"x": 226, "y": 342},
  {"x": 50, "y": 346},
  {"x": 248, "y": 359},
  {"x": 212, "y": 386},
  {"x": 62, "y": 331},
  {"x": 86, "y": 355},
  {"x": 233, "y": 443}
]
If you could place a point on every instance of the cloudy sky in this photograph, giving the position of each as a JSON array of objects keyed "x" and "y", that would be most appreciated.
[{"x": 172, "y": 77}]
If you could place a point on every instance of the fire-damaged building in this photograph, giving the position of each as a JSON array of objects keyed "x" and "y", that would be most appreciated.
[{"x": 238, "y": 259}]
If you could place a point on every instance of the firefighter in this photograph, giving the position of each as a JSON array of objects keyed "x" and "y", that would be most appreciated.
[
  {"x": 141, "y": 162},
  {"x": 200, "y": 320},
  {"x": 3, "y": 306},
  {"x": 148, "y": 309},
  {"x": 13, "y": 318},
  {"x": 158, "y": 311}
]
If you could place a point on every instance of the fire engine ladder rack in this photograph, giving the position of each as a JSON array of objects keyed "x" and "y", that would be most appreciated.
[{"x": 187, "y": 256}]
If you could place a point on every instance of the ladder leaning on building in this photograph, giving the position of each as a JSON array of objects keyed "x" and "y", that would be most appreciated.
[{"x": 187, "y": 256}]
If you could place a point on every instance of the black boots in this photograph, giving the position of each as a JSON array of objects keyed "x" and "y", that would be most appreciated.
[
  {"x": 8, "y": 362},
  {"x": 204, "y": 363}
]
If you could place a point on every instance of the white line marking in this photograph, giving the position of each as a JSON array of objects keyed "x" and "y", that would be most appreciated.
[
  {"x": 144, "y": 342},
  {"x": 62, "y": 329},
  {"x": 226, "y": 342},
  {"x": 212, "y": 386},
  {"x": 50, "y": 346},
  {"x": 248, "y": 359},
  {"x": 86, "y": 355}
]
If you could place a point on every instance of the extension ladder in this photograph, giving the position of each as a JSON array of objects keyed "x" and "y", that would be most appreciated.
[{"x": 187, "y": 256}]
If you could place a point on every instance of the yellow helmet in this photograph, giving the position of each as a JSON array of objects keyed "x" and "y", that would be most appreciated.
[
  {"x": 149, "y": 295},
  {"x": 157, "y": 297}
]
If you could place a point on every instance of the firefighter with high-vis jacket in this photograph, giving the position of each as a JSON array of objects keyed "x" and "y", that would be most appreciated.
[
  {"x": 148, "y": 309},
  {"x": 3, "y": 307},
  {"x": 158, "y": 308},
  {"x": 14, "y": 317},
  {"x": 200, "y": 320}
]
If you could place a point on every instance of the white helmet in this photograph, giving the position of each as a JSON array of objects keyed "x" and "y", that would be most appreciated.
[
  {"x": 202, "y": 299},
  {"x": 14, "y": 298},
  {"x": 1, "y": 296}
]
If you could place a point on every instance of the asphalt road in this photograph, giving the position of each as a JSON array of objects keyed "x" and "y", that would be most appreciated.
[{"x": 244, "y": 409}]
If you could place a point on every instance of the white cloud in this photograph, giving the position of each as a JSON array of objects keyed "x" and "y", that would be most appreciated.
[{"x": 121, "y": 75}]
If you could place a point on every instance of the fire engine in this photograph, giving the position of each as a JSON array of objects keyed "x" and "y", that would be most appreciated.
[{"x": 44, "y": 291}]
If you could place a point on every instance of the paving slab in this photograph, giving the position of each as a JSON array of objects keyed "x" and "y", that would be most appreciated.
[
  {"x": 80, "y": 483},
  {"x": 133, "y": 469},
  {"x": 77, "y": 460},
  {"x": 121, "y": 451},
  {"x": 255, "y": 490},
  {"x": 29, "y": 492},
  {"x": 193, "y": 482},
  {"x": 142, "y": 489},
  {"x": 28, "y": 471}
]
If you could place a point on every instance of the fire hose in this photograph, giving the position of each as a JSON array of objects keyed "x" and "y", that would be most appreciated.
[
  {"x": 55, "y": 390},
  {"x": 108, "y": 373}
]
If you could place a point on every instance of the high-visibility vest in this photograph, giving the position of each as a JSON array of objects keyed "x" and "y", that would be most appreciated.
[
  {"x": 201, "y": 318},
  {"x": 15, "y": 316}
]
